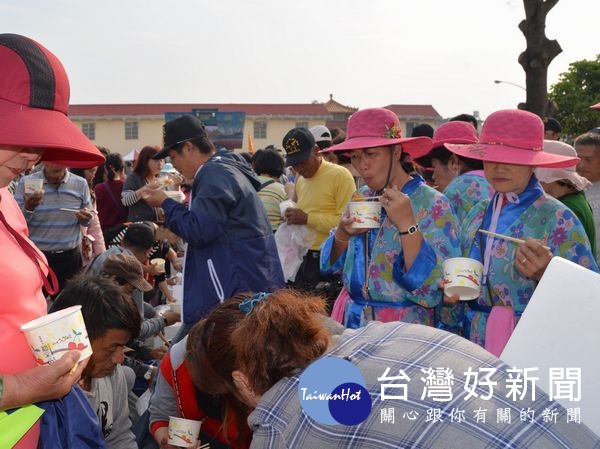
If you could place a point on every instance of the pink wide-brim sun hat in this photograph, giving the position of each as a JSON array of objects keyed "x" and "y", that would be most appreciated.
[
  {"x": 379, "y": 127},
  {"x": 513, "y": 136},
  {"x": 595, "y": 106},
  {"x": 34, "y": 101},
  {"x": 454, "y": 132}
]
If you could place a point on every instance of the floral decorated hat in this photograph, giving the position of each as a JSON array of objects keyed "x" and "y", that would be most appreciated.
[{"x": 379, "y": 127}]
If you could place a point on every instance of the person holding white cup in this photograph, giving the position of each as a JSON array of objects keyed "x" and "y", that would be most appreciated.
[
  {"x": 33, "y": 128},
  {"x": 391, "y": 268},
  {"x": 519, "y": 230}
]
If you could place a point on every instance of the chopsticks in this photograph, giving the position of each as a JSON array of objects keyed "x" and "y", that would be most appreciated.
[
  {"x": 204, "y": 446},
  {"x": 367, "y": 198},
  {"x": 507, "y": 237},
  {"x": 502, "y": 236},
  {"x": 68, "y": 209}
]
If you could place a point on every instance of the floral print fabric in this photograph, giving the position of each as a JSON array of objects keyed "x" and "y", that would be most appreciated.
[
  {"x": 395, "y": 294},
  {"x": 545, "y": 219}
]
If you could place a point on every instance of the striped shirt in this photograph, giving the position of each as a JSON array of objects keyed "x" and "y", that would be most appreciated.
[
  {"x": 271, "y": 195},
  {"x": 50, "y": 228},
  {"x": 280, "y": 422}
]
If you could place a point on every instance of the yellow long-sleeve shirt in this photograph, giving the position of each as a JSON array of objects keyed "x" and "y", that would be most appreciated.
[{"x": 324, "y": 197}]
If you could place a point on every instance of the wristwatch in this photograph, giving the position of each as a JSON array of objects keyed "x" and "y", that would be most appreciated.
[{"x": 411, "y": 230}]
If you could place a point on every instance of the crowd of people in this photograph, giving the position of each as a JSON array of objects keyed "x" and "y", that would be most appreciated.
[{"x": 76, "y": 230}]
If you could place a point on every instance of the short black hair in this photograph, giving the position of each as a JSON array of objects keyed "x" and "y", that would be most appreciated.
[
  {"x": 203, "y": 143},
  {"x": 270, "y": 163},
  {"x": 588, "y": 138},
  {"x": 104, "y": 306},
  {"x": 465, "y": 118},
  {"x": 552, "y": 125},
  {"x": 139, "y": 236},
  {"x": 324, "y": 144},
  {"x": 422, "y": 130},
  {"x": 443, "y": 155}
]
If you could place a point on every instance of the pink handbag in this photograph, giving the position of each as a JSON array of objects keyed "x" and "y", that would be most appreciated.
[
  {"x": 500, "y": 325},
  {"x": 337, "y": 313}
]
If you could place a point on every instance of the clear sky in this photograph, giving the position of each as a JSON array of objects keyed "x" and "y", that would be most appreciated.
[{"x": 367, "y": 53}]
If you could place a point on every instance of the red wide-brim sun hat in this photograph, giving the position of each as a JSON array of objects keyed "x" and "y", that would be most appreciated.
[
  {"x": 34, "y": 101},
  {"x": 513, "y": 136},
  {"x": 379, "y": 127}
]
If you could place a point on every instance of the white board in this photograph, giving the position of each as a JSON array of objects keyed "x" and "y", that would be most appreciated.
[{"x": 560, "y": 328}]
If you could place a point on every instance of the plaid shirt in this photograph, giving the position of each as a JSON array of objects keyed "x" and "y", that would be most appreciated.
[{"x": 279, "y": 421}]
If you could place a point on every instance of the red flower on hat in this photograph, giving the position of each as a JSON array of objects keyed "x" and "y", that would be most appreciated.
[{"x": 392, "y": 131}]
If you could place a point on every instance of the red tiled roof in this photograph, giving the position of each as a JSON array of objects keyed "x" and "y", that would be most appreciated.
[
  {"x": 335, "y": 107},
  {"x": 413, "y": 110},
  {"x": 160, "y": 109}
]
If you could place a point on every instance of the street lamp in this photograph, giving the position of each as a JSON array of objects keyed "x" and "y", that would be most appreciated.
[{"x": 511, "y": 83}]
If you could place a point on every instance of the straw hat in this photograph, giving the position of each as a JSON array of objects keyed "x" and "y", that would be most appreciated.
[
  {"x": 513, "y": 136},
  {"x": 379, "y": 127},
  {"x": 549, "y": 175}
]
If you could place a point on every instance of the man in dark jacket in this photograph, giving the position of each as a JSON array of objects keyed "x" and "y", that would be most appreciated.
[{"x": 231, "y": 247}]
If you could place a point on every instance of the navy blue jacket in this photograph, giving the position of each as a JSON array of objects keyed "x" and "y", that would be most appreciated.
[{"x": 231, "y": 248}]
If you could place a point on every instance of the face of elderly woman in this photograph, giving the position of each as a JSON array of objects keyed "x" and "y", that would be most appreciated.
[
  {"x": 372, "y": 165},
  {"x": 506, "y": 178},
  {"x": 15, "y": 161}
]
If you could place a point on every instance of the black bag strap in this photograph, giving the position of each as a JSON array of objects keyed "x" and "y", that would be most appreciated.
[{"x": 267, "y": 183}]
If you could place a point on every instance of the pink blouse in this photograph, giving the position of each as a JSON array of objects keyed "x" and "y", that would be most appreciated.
[{"x": 21, "y": 298}]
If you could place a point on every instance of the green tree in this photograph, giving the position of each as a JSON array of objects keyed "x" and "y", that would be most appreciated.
[{"x": 576, "y": 90}]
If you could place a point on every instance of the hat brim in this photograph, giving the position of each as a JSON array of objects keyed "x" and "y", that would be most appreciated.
[
  {"x": 595, "y": 106},
  {"x": 297, "y": 158},
  {"x": 141, "y": 284},
  {"x": 415, "y": 146},
  {"x": 163, "y": 152},
  {"x": 503, "y": 154},
  {"x": 549, "y": 175},
  {"x": 51, "y": 130},
  {"x": 440, "y": 143}
]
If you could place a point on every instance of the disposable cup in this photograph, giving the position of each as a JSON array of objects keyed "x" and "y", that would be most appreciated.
[
  {"x": 365, "y": 214},
  {"x": 51, "y": 335},
  {"x": 175, "y": 307},
  {"x": 183, "y": 432},
  {"x": 159, "y": 264},
  {"x": 33, "y": 186},
  {"x": 462, "y": 277},
  {"x": 284, "y": 205},
  {"x": 176, "y": 195}
]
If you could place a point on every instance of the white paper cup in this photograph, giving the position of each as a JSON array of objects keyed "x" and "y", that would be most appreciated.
[
  {"x": 159, "y": 263},
  {"x": 175, "y": 195},
  {"x": 175, "y": 307},
  {"x": 462, "y": 277},
  {"x": 51, "y": 335},
  {"x": 183, "y": 432},
  {"x": 33, "y": 186},
  {"x": 365, "y": 214}
]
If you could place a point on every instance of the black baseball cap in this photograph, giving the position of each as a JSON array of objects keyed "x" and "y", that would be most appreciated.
[
  {"x": 298, "y": 144},
  {"x": 176, "y": 131}
]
